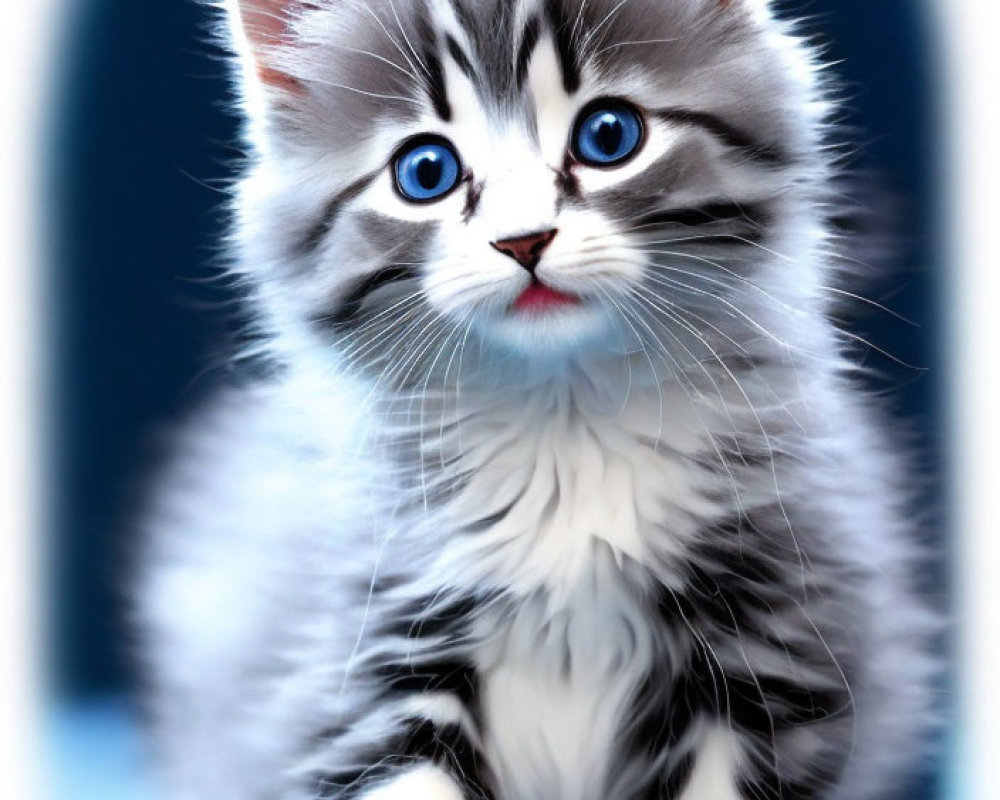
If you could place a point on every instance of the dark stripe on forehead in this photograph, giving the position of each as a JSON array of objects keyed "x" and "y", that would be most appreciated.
[
  {"x": 436, "y": 87},
  {"x": 562, "y": 33},
  {"x": 528, "y": 41},
  {"x": 315, "y": 235},
  {"x": 464, "y": 17},
  {"x": 459, "y": 57},
  {"x": 437, "y": 90},
  {"x": 725, "y": 132}
]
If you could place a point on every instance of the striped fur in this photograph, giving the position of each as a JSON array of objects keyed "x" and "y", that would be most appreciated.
[{"x": 651, "y": 545}]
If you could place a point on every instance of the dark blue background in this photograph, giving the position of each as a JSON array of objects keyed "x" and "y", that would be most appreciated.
[{"x": 142, "y": 138}]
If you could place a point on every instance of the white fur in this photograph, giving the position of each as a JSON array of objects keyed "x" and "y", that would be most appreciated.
[{"x": 714, "y": 777}]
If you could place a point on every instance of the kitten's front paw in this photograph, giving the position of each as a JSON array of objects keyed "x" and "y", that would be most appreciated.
[{"x": 421, "y": 783}]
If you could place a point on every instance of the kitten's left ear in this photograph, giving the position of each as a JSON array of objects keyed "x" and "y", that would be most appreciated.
[{"x": 266, "y": 26}]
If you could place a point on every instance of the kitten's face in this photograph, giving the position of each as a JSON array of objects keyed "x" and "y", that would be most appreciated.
[{"x": 548, "y": 176}]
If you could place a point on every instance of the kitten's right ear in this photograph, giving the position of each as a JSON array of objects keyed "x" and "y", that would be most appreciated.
[{"x": 265, "y": 26}]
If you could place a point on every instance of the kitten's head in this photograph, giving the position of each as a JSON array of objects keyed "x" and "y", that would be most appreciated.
[{"x": 553, "y": 178}]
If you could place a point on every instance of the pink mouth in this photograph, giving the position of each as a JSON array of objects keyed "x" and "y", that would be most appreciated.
[{"x": 539, "y": 297}]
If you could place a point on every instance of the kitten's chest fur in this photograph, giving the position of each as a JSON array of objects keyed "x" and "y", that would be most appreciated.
[
  {"x": 556, "y": 687},
  {"x": 563, "y": 490},
  {"x": 569, "y": 504}
]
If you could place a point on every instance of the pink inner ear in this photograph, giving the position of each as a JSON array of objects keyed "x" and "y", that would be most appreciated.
[{"x": 266, "y": 23}]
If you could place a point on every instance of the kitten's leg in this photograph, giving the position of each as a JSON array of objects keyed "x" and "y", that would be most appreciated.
[{"x": 420, "y": 738}]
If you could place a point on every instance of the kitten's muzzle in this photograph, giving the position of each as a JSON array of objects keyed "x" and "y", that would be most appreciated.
[{"x": 526, "y": 250}]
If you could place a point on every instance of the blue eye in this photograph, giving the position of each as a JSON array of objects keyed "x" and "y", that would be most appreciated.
[
  {"x": 426, "y": 170},
  {"x": 607, "y": 133}
]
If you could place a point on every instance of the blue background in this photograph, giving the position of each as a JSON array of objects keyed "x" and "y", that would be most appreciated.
[{"x": 142, "y": 143}]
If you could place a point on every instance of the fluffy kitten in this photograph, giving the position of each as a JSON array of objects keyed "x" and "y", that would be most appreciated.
[{"x": 561, "y": 487}]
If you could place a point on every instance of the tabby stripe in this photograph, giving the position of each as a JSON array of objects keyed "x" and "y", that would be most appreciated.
[
  {"x": 433, "y": 71},
  {"x": 676, "y": 779},
  {"x": 418, "y": 742},
  {"x": 562, "y": 33},
  {"x": 484, "y": 524},
  {"x": 465, "y": 18},
  {"x": 525, "y": 51},
  {"x": 764, "y": 703},
  {"x": 436, "y": 87},
  {"x": 315, "y": 235},
  {"x": 725, "y": 132},
  {"x": 664, "y": 712},
  {"x": 761, "y": 706},
  {"x": 421, "y": 740},
  {"x": 351, "y": 305},
  {"x": 413, "y": 621},
  {"x": 444, "y": 675},
  {"x": 672, "y": 784},
  {"x": 459, "y": 57},
  {"x": 449, "y": 747},
  {"x": 706, "y": 215}
]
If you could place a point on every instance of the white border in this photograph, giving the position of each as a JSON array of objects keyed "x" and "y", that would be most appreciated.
[
  {"x": 26, "y": 61},
  {"x": 972, "y": 38}
]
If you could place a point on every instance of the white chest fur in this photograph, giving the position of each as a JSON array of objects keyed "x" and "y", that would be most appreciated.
[
  {"x": 568, "y": 476},
  {"x": 583, "y": 497},
  {"x": 556, "y": 687}
]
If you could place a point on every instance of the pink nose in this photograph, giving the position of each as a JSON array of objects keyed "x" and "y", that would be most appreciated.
[{"x": 526, "y": 250}]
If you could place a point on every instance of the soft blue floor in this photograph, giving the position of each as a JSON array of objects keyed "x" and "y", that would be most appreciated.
[{"x": 94, "y": 752}]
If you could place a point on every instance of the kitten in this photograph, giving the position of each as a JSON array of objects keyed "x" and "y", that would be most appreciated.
[{"x": 561, "y": 486}]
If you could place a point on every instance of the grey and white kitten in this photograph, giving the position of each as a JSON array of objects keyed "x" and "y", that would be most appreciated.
[{"x": 562, "y": 486}]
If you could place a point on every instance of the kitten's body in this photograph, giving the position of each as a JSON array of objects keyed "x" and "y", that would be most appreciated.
[{"x": 541, "y": 558}]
